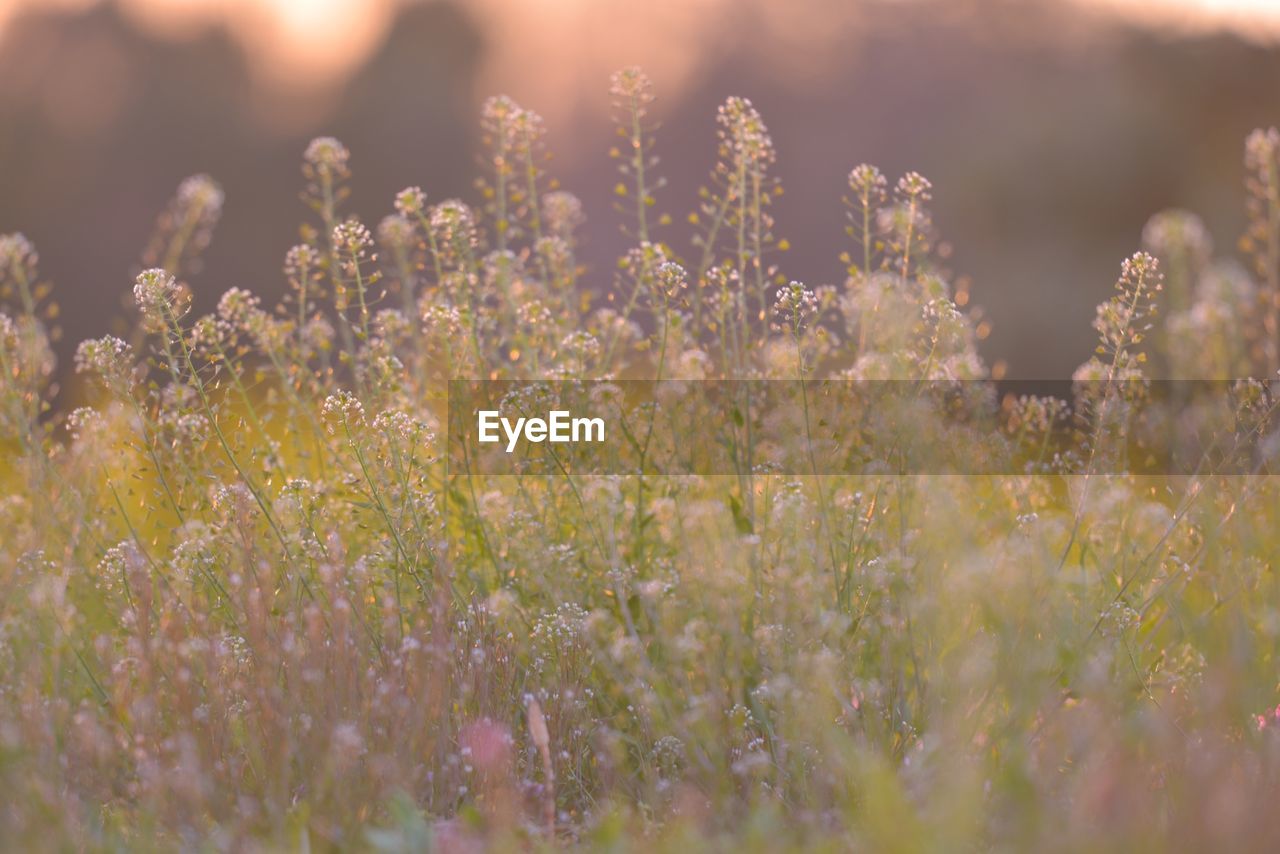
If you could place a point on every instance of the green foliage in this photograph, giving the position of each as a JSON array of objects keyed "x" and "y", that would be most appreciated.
[{"x": 245, "y": 603}]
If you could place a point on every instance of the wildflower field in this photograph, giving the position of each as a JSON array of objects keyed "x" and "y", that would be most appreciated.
[{"x": 251, "y": 599}]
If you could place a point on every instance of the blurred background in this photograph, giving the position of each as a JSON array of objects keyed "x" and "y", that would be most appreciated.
[{"x": 1051, "y": 129}]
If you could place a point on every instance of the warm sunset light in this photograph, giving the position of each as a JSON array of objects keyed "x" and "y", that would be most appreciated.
[
  {"x": 306, "y": 42},
  {"x": 293, "y": 42},
  {"x": 640, "y": 426}
]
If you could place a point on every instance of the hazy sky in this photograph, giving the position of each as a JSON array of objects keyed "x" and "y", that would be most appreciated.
[{"x": 297, "y": 43}]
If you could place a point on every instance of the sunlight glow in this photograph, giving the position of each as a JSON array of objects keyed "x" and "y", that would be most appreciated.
[
  {"x": 1255, "y": 20},
  {"x": 310, "y": 43}
]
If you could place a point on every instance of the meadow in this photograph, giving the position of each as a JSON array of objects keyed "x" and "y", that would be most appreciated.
[{"x": 248, "y": 603}]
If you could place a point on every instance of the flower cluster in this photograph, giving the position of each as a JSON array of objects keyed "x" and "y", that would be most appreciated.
[
  {"x": 327, "y": 156},
  {"x": 743, "y": 132},
  {"x": 18, "y": 258},
  {"x": 109, "y": 358},
  {"x": 161, "y": 301},
  {"x": 795, "y": 305}
]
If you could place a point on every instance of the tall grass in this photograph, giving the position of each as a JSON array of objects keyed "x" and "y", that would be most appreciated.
[{"x": 245, "y": 603}]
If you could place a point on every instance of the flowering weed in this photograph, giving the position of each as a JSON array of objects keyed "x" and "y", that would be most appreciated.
[{"x": 248, "y": 599}]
